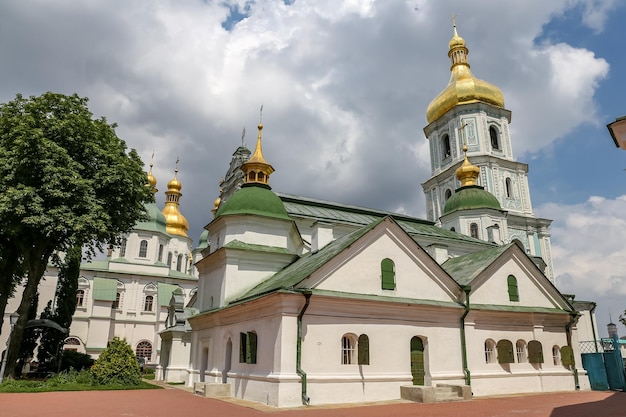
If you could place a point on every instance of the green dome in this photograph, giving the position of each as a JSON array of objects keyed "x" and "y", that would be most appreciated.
[
  {"x": 203, "y": 242},
  {"x": 155, "y": 222},
  {"x": 256, "y": 200},
  {"x": 471, "y": 197}
]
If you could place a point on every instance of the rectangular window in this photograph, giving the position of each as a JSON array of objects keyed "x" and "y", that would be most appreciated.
[{"x": 247, "y": 347}]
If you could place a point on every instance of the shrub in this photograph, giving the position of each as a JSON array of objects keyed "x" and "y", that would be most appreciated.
[
  {"x": 75, "y": 360},
  {"x": 117, "y": 365}
]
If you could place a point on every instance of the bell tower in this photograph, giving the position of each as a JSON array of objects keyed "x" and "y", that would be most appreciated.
[{"x": 470, "y": 113}]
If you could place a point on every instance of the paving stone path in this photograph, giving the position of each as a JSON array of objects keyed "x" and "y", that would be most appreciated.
[{"x": 175, "y": 402}]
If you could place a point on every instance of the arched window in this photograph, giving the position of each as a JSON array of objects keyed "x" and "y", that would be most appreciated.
[
  {"x": 80, "y": 298},
  {"x": 535, "y": 352},
  {"x": 144, "y": 350},
  {"x": 505, "y": 351},
  {"x": 520, "y": 350},
  {"x": 72, "y": 341},
  {"x": 364, "y": 350},
  {"x": 448, "y": 194},
  {"x": 509, "y": 188},
  {"x": 123, "y": 248},
  {"x": 148, "y": 303},
  {"x": 445, "y": 146},
  {"x": 474, "y": 230},
  {"x": 556, "y": 355},
  {"x": 169, "y": 259},
  {"x": 452, "y": 229},
  {"x": 143, "y": 249},
  {"x": 490, "y": 351},
  {"x": 160, "y": 259},
  {"x": 512, "y": 286},
  {"x": 348, "y": 343},
  {"x": 261, "y": 177},
  {"x": 116, "y": 303},
  {"x": 388, "y": 274},
  {"x": 179, "y": 262},
  {"x": 493, "y": 135},
  {"x": 252, "y": 176}
]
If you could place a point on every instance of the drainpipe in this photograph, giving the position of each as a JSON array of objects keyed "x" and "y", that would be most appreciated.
[
  {"x": 299, "y": 371},
  {"x": 593, "y": 327},
  {"x": 568, "y": 332},
  {"x": 466, "y": 371}
]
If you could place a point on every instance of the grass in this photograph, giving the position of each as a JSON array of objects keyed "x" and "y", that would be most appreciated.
[{"x": 73, "y": 381}]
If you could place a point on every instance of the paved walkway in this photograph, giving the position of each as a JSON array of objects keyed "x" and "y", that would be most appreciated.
[{"x": 175, "y": 402}]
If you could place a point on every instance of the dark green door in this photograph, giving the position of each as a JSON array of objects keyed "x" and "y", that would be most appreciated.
[{"x": 417, "y": 360}]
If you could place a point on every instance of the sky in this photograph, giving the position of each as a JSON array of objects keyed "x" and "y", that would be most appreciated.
[{"x": 344, "y": 87}]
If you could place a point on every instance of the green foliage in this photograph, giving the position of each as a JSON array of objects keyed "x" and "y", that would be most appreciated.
[
  {"x": 66, "y": 381},
  {"x": 66, "y": 179},
  {"x": 72, "y": 360},
  {"x": 52, "y": 340},
  {"x": 117, "y": 364}
]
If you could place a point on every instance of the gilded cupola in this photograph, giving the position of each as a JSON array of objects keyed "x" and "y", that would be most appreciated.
[
  {"x": 463, "y": 87},
  {"x": 257, "y": 170},
  {"x": 176, "y": 223}
]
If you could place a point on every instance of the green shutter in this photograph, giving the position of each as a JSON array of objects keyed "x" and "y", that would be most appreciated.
[
  {"x": 535, "y": 352},
  {"x": 567, "y": 356},
  {"x": 513, "y": 290},
  {"x": 388, "y": 274},
  {"x": 243, "y": 342},
  {"x": 104, "y": 289},
  {"x": 364, "y": 350},
  {"x": 251, "y": 348},
  {"x": 505, "y": 351}
]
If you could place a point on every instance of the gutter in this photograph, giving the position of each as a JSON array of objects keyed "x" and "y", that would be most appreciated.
[
  {"x": 568, "y": 332},
  {"x": 593, "y": 327},
  {"x": 466, "y": 371},
  {"x": 305, "y": 398}
]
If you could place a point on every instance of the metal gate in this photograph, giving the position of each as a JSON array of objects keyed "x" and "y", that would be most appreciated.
[{"x": 602, "y": 359}]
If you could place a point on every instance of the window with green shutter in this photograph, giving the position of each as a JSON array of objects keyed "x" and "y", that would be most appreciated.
[
  {"x": 513, "y": 290},
  {"x": 567, "y": 356},
  {"x": 247, "y": 347},
  {"x": 251, "y": 348},
  {"x": 388, "y": 274},
  {"x": 535, "y": 352},
  {"x": 505, "y": 351},
  {"x": 364, "y": 350}
]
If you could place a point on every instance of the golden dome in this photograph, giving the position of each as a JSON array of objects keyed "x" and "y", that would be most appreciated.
[
  {"x": 152, "y": 182},
  {"x": 463, "y": 86},
  {"x": 257, "y": 170},
  {"x": 216, "y": 203},
  {"x": 467, "y": 173},
  {"x": 175, "y": 222}
]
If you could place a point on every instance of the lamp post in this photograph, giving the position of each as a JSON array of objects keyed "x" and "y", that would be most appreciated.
[
  {"x": 12, "y": 319},
  {"x": 618, "y": 132}
]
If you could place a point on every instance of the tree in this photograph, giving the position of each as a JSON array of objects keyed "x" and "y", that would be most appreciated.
[
  {"x": 117, "y": 364},
  {"x": 65, "y": 295},
  {"x": 66, "y": 179}
]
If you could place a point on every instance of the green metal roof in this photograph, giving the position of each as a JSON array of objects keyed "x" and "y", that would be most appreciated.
[
  {"x": 471, "y": 197},
  {"x": 256, "y": 200},
  {"x": 302, "y": 268},
  {"x": 463, "y": 269},
  {"x": 164, "y": 293},
  {"x": 104, "y": 289},
  {"x": 155, "y": 222},
  {"x": 303, "y": 207},
  {"x": 237, "y": 244},
  {"x": 519, "y": 309}
]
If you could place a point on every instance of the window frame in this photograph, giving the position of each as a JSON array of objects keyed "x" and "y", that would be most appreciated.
[
  {"x": 123, "y": 245},
  {"x": 494, "y": 138},
  {"x": 143, "y": 248},
  {"x": 387, "y": 274},
  {"x": 474, "y": 230},
  {"x": 80, "y": 297},
  {"x": 148, "y": 303},
  {"x": 348, "y": 348},
  {"x": 512, "y": 288},
  {"x": 248, "y": 346},
  {"x": 363, "y": 350},
  {"x": 521, "y": 354},
  {"x": 490, "y": 351},
  {"x": 145, "y": 347},
  {"x": 446, "y": 146}
]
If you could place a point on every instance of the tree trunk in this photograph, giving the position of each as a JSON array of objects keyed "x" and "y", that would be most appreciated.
[{"x": 36, "y": 269}]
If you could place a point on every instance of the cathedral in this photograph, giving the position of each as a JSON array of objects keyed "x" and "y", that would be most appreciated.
[
  {"x": 289, "y": 300},
  {"x": 304, "y": 301}
]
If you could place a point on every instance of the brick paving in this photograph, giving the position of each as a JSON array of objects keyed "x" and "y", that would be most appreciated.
[{"x": 176, "y": 402}]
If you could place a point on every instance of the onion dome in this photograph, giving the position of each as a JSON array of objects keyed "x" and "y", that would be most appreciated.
[
  {"x": 203, "y": 241},
  {"x": 259, "y": 201},
  {"x": 155, "y": 220},
  {"x": 255, "y": 196},
  {"x": 470, "y": 195},
  {"x": 257, "y": 170},
  {"x": 176, "y": 223},
  {"x": 463, "y": 87}
]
